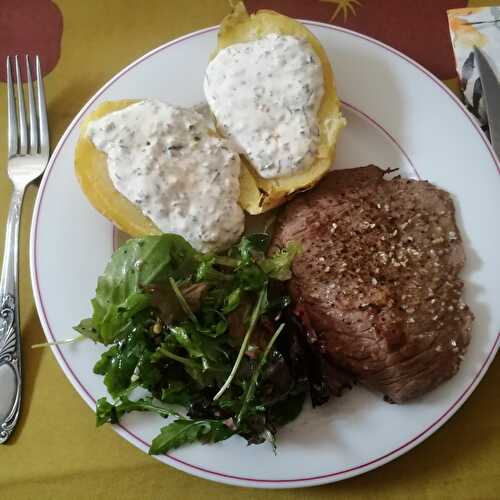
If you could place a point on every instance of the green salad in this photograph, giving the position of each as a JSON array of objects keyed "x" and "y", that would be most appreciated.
[{"x": 210, "y": 337}]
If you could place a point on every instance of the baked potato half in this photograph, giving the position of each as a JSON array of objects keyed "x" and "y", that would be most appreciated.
[
  {"x": 92, "y": 173},
  {"x": 258, "y": 194}
]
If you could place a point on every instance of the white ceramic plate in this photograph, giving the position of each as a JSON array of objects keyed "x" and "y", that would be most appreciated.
[{"x": 399, "y": 116}]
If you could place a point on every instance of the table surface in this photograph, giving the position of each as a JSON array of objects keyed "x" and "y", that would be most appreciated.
[{"x": 56, "y": 451}]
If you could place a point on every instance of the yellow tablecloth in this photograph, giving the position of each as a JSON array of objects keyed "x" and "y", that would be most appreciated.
[{"x": 56, "y": 452}]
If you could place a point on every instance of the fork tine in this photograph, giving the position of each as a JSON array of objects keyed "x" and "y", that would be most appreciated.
[
  {"x": 23, "y": 131},
  {"x": 31, "y": 103},
  {"x": 11, "y": 112},
  {"x": 42, "y": 110}
]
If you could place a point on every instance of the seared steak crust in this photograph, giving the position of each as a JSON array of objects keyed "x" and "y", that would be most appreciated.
[{"x": 378, "y": 278}]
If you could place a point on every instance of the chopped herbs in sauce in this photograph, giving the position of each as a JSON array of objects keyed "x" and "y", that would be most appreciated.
[
  {"x": 267, "y": 101},
  {"x": 185, "y": 179}
]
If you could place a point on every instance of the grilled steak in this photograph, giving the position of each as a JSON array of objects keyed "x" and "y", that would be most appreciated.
[{"x": 378, "y": 278}]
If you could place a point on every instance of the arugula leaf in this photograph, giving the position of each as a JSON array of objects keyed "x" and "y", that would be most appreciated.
[
  {"x": 120, "y": 290},
  {"x": 252, "y": 386},
  {"x": 255, "y": 270},
  {"x": 87, "y": 329},
  {"x": 215, "y": 349},
  {"x": 278, "y": 265},
  {"x": 184, "y": 339},
  {"x": 213, "y": 323},
  {"x": 184, "y": 431},
  {"x": 287, "y": 410},
  {"x": 104, "y": 363},
  {"x": 121, "y": 361},
  {"x": 251, "y": 277},
  {"x": 118, "y": 376},
  {"x": 252, "y": 246},
  {"x": 149, "y": 374},
  {"x": 232, "y": 301},
  {"x": 176, "y": 392},
  {"x": 164, "y": 352},
  {"x": 107, "y": 412},
  {"x": 261, "y": 424},
  {"x": 206, "y": 272}
]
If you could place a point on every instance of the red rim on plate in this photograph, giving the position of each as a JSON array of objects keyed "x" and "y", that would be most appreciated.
[{"x": 192, "y": 468}]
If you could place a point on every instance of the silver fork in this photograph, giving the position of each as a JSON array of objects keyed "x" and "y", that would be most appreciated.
[{"x": 28, "y": 155}]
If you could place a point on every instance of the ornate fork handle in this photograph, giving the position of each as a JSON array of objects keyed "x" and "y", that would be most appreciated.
[{"x": 10, "y": 342}]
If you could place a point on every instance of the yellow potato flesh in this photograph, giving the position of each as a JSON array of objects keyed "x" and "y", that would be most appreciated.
[
  {"x": 257, "y": 194},
  {"x": 92, "y": 173}
]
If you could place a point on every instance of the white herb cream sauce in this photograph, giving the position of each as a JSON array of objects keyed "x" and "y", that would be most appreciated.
[
  {"x": 265, "y": 96},
  {"x": 168, "y": 162}
]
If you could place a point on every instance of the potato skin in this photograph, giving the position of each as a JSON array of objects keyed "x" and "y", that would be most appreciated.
[
  {"x": 258, "y": 194},
  {"x": 92, "y": 174}
]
